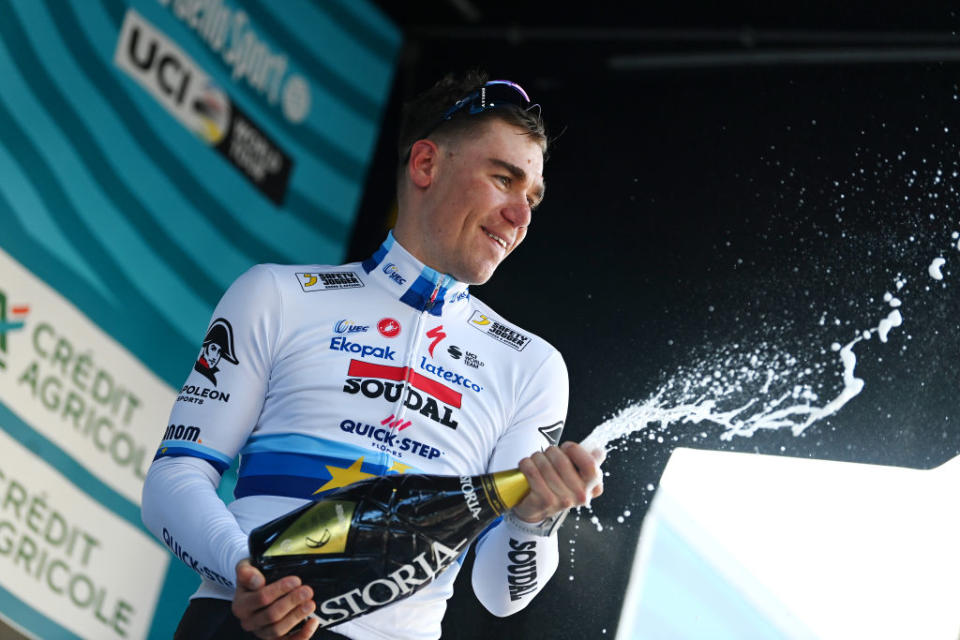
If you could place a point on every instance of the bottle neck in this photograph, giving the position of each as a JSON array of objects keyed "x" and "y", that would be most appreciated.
[{"x": 505, "y": 489}]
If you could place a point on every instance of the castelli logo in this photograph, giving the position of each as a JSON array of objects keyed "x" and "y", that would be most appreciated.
[{"x": 388, "y": 327}]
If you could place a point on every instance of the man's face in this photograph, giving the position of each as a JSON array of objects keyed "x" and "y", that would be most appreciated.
[
  {"x": 211, "y": 353},
  {"x": 480, "y": 201}
]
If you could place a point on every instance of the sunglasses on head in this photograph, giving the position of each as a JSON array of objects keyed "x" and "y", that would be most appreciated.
[{"x": 494, "y": 94}]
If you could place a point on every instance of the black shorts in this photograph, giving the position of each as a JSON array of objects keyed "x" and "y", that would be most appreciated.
[{"x": 211, "y": 619}]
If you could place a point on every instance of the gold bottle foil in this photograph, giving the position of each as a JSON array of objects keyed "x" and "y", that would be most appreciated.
[{"x": 505, "y": 489}]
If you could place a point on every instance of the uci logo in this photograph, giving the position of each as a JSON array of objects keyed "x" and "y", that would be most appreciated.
[{"x": 162, "y": 68}]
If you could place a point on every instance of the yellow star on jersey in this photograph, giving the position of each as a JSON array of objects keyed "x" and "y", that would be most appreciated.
[
  {"x": 399, "y": 467},
  {"x": 341, "y": 477}
]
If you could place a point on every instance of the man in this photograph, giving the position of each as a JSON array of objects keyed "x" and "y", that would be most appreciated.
[{"x": 346, "y": 372}]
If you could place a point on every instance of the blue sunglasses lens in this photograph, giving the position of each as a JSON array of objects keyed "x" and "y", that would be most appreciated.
[{"x": 496, "y": 93}]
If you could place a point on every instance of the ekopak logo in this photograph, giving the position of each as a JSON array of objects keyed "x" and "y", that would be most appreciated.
[
  {"x": 15, "y": 322},
  {"x": 388, "y": 328}
]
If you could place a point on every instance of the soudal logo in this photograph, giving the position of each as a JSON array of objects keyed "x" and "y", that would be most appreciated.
[
  {"x": 182, "y": 432},
  {"x": 470, "y": 495},
  {"x": 448, "y": 375},
  {"x": 388, "y": 327},
  {"x": 367, "y": 378},
  {"x": 329, "y": 281},
  {"x": 348, "y": 326},
  {"x": 393, "y": 272},
  {"x": 382, "y": 591},
  {"x": 499, "y": 331},
  {"x": 391, "y": 441},
  {"x": 470, "y": 359},
  {"x": 15, "y": 321},
  {"x": 340, "y": 343},
  {"x": 522, "y": 568}
]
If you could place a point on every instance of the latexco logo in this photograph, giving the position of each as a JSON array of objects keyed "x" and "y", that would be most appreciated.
[{"x": 11, "y": 320}]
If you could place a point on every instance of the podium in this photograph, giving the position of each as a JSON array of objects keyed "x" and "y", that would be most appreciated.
[{"x": 747, "y": 546}]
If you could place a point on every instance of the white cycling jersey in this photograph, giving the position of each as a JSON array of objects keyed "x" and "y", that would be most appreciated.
[{"x": 320, "y": 376}]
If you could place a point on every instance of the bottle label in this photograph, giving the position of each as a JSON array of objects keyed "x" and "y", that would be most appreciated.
[
  {"x": 321, "y": 529},
  {"x": 398, "y": 584}
]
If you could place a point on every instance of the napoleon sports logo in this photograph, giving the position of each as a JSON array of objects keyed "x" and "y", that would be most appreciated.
[{"x": 10, "y": 323}]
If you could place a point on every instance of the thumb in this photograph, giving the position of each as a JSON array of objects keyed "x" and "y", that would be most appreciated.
[{"x": 248, "y": 576}]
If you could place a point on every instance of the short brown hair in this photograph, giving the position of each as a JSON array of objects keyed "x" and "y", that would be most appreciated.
[{"x": 423, "y": 115}]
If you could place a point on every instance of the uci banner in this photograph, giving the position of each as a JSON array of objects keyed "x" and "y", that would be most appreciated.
[{"x": 150, "y": 151}]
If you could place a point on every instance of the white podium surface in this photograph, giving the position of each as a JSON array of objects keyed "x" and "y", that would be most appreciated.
[{"x": 745, "y": 546}]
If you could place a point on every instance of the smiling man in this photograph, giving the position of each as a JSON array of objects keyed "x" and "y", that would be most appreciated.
[{"x": 387, "y": 366}]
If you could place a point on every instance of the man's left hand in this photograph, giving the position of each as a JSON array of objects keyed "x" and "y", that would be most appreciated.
[{"x": 560, "y": 478}]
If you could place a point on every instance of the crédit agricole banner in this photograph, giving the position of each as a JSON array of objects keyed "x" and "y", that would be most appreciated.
[{"x": 150, "y": 152}]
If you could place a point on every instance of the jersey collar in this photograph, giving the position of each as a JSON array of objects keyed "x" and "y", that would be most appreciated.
[{"x": 414, "y": 283}]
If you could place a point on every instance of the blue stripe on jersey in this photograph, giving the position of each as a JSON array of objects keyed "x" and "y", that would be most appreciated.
[
  {"x": 296, "y": 465},
  {"x": 371, "y": 263},
  {"x": 302, "y": 444},
  {"x": 172, "y": 448}
]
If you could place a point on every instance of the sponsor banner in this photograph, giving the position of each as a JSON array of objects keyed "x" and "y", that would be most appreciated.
[
  {"x": 448, "y": 375},
  {"x": 185, "y": 90},
  {"x": 339, "y": 343},
  {"x": 522, "y": 568},
  {"x": 329, "y": 281},
  {"x": 68, "y": 557},
  {"x": 349, "y": 326},
  {"x": 74, "y": 384},
  {"x": 389, "y": 440},
  {"x": 393, "y": 272},
  {"x": 436, "y": 335},
  {"x": 552, "y": 432},
  {"x": 469, "y": 358},
  {"x": 388, "y": 327},
  {"x": 499, "y": 331}
]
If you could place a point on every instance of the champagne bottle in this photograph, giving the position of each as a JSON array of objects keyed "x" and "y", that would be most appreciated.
[{"x": 381, "y": 540}]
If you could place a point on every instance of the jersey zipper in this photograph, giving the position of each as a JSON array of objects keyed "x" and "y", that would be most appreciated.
[{"x": 400, "y": 411}]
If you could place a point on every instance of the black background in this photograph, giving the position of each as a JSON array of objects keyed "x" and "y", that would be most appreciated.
[{"x": 702, "y": 210}]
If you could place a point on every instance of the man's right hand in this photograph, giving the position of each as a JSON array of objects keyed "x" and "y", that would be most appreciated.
[{"x": 270, "y": 611}]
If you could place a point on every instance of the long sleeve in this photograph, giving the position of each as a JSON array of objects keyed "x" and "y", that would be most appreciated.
[
  {"x": 181, "y": 507},
  {"x": 215, "y": 412},
  {"x": 513, "y": 565}
]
